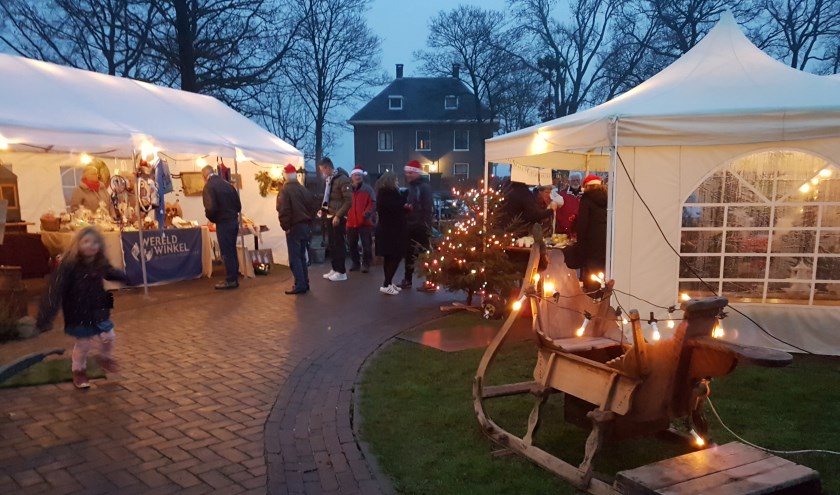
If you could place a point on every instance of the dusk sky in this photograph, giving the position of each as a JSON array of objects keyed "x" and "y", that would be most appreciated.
[{"x": 403, "y": 27}]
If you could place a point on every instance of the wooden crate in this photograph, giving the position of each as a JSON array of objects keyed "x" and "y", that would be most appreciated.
[{"x": 731, "y": 469}]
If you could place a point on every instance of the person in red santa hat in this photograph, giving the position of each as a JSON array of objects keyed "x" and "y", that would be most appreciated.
[
  {"x": 418, "y": 206},
  {"x": 296, "y": 207},
  {"x": 360, "y": 220},
  {"x": 590, "y": 227}
]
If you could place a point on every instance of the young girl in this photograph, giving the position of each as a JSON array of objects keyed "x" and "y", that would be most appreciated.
[
  {"x": 391, "y": 232},
  {"x": 77, "y": 287}
]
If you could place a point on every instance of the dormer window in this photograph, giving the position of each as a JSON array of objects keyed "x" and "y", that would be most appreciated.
[
  {"x": 395, "y": 102},
  {"x": 450, "y": 102}
]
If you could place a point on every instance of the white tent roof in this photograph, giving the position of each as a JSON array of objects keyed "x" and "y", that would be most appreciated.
[
  {"x": 723, "y": 91},
  {"x": 58, "y": 108}
]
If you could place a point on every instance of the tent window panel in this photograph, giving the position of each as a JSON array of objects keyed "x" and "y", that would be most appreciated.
[
  {"x": 827, "y": 295},
  {"x": 699, "y": 289},
  {"x": 736, "y": 190},
  {"x": 700, "y": 242},
  {"x": 705, "y": 266},
  {"x": 788, "y": 293},
  {"x": 793, "y": 241},
  {"x": 795, "y": 216},
  {"x": 744, "y": 291},
  {"x": 70, "y": 179},
  {"x": 830, "y": 242},
  {"x": 746, "y": 241},
  {"x": 702, "y": 216},
  {"x": 831, "y": 216},
  {"x": 781, "y": 267},
  {"x": 710, "y": 191},
  {"x": 748, "y": 216},
  {"x": 744, "y": 266},
  {"x": 828, "y": 268}
]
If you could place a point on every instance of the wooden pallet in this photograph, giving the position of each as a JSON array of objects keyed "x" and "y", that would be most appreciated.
[{"x": 731, "y": 469}]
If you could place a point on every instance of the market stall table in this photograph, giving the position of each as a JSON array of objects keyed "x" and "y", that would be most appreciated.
[{"x": 159, "y": 243}]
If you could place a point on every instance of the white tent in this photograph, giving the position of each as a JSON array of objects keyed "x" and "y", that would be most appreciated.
[
  {"x": 723, "y": 104},
  {"x": 46, "y": 108}
]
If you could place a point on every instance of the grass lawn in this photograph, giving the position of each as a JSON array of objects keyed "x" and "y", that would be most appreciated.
[{"x": 418, "y": 418}]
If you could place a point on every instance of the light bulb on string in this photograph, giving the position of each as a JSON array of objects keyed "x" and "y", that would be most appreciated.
[
  {"x": 655, "y": 335},
  {"x": 517, "y": 305},
  {"x": 582, "y": 329},
  {"x": 698, "y": 440},
  {"x": 671, "y": 323}
]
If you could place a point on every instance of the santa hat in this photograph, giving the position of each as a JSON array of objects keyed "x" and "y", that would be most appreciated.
[
  {"x": 413, "y": 166},
  {"x": 592, "y": 179},
  {"x": 289, "y": 169},
  {"x": 358, "y": 170}
]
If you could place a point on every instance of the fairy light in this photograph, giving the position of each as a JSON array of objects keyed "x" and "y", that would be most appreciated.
[
  {"x": 85, "y": 159},
  {"x": 698, "y": 440},
  {"x": 548, "y": 288},
  {"x": 582, "y": 329},
  {"x": 4, "y": 143},
  {"x": 536, "y": 278},
  {"x": 804, "y": 188},
  {"x": 684, "y": 297},
  {"x": 718, "y": 331},
  {"x": 671, "y": 323},
  {"x": 276, "y": 172},
  {"x": 517, "y": 305},
  {"x": 599, "y": 278},
  {"x": 815, "y": 181},
  {"x": 825, "y": 173},
  {"x": 200, "y": 162}
]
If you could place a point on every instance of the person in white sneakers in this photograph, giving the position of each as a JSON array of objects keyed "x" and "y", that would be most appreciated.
[
  {"x": 391, "y": 231},
  {"x": 338, "y": 198}
]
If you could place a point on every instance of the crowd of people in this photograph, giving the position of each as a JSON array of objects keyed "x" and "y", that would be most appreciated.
[{"x": 355, "y": 214}]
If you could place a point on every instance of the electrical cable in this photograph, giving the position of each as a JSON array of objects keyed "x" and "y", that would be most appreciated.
[
  {"x": 684, "y": 263},
  {"x": 807, "y": 451}
]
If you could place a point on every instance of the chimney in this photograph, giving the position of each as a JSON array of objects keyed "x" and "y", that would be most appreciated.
[
  {"x": 399, "y": 71},
  {"x": 456, "y": 70}
]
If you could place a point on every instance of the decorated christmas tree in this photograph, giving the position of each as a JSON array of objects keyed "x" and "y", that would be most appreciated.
[{"x": 471, "y": 256}]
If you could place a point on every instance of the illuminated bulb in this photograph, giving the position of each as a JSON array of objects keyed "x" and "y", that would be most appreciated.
[
  {"x": 4, "y": 145},
  {"x": 276, "y": 172},
  {"x": 815, "y": 181},
  {"x": 698, "y": 440},
  {"x": 200, "y": 162},
  {"x": 656, "y": 334},
  {"x": 684, "y": 297},
  {"x": 582, "y": 328},
  {"x": 517, "y": 305},
  {"x": 85, "y": 159},
  {"x": 670, "y": 317},
  {"x": 718, "y": 332},
  {"x": 671, "y": 323},
  {"x": 548, "y": 287},
  {"x": 472, "y": 271},
  {"x": 826, "y": 172},
  {"x": 624, "y": 320},
  {"x": 536, "y": 278},
  {"x": 805, "y": 188}
]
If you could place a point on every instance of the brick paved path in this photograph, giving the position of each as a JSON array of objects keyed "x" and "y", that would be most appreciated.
[{"x": 247, "y": 391}]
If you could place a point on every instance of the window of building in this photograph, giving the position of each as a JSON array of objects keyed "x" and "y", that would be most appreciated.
[
  {"x": 424, "y": 141},
  {"x": 461, "y": 170},
  {"x": 385, "y": 141},
  {"x": 462, "y": 140},
  {"x": 70, "y": 179},
  {"x": 385, "y": 167},
  {"x": 765, "y": 229},
  {"x": 395, "y": 102},
  {"x": 450, "y": 102}
]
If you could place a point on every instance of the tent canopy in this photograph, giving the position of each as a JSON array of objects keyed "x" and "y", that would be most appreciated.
[
  {"x": 725, "y": 90},
  {"x": 55, "y": 108}
]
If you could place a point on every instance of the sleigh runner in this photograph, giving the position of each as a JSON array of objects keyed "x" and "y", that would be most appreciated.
[{"x": 626, "y": 387}]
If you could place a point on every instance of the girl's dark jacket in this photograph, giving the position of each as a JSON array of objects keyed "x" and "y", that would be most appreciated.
[
  {"x": 591, "y": 227},
  {"x": 78, "y": 289},
  {"x": 391, "y": 230}
]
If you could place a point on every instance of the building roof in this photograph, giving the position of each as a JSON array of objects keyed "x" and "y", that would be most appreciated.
[{"x": 423, "y": 101}]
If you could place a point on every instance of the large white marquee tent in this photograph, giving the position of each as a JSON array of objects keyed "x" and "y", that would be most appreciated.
[
  {"x": 720, "y": 104},
  {"x": 50, "y": 115}
]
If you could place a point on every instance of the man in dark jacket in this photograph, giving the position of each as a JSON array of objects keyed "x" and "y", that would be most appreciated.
[
  {"x": 418, "y": 216},
  {"x": 520, "y": 211},
  {"x": 591, "y": 230},
  {"x": 222, "y": 207},
  {"x": 296, "y": 207},
  {"x": 338, "y": 198}
]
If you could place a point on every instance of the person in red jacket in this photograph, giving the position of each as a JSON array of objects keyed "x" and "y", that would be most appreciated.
[
  {"x": 569, "y": 205},
  {"x": 360, "y": 220}
]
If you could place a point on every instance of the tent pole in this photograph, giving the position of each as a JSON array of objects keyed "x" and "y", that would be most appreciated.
[
  {"x": 140, "y": 224},
  {"x": 486, "y": 191},
  {"x": 611, "y": 201},
  {"x": 245, "y": 257}
]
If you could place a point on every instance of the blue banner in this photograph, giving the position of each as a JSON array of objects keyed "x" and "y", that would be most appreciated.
[{"x": 172, "y": 254}]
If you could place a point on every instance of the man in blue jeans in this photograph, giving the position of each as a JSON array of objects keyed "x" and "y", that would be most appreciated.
[
  {"x": 296, "y": 207},
  {"x": 222, "y": 207}
]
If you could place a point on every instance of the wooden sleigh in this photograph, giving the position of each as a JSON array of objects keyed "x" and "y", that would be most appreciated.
[{"x": 623, "y": 387}]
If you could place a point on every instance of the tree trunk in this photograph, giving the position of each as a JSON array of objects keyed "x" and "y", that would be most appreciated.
[
  {"x": 319, "y": 139},
  {"x": 186, "y": 50}
]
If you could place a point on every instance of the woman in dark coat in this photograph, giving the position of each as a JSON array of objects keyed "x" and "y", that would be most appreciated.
[
  {"x": 591, "y": 231},
  {"x": 391, "y": 232}
]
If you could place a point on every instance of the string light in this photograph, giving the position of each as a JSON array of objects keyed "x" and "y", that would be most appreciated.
[
  {"x": 825, "y": 173},
  {"x": 671, "y": 310},
  {"x": 586, "y": 317},
  {"x": 684, "y": 297},
  {"x": 656, "y": 335},
  {"x": 599, "y": 278},
  {"x": 517, "y": 305},
  {"x": 85, "y": 159},
  {"x": 698, "y": 440}
]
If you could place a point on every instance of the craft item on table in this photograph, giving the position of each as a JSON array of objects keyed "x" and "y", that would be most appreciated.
[
  {"x": 50, "y": 222},
  {"x": 149, "y": 222},
  {"x": 180, "y": 223},
  {"x": 173, "y": 210},
  {"x": 526, "y": 241}
]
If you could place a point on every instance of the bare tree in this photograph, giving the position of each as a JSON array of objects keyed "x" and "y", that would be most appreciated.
[
  {"x": 803, "y": 33},
  {"x": 109, "y": 36},
  {"x": 334, "y": 61},
  {"x": 225, "y": 48}
]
